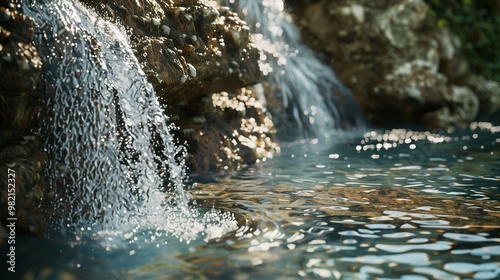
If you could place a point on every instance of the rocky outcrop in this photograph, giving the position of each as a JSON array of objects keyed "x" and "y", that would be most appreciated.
[
  {"x": 194, "y": 52},
  {"x": 401, "y": 67},
  {"x": 188, "y": 48},
  {"x": 22, "y": 159}
]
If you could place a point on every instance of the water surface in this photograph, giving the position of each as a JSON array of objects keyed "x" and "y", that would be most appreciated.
[{"x": 399, "y": 204}]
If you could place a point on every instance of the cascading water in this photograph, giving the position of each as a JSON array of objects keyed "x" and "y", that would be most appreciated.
[
  {"x": 110, "y": 146},
  {"x": 312, "y": 95}
]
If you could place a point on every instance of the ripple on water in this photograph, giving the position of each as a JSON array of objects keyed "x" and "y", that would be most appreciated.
[
  {"x": 380, "y": 226},
  {"x": 435, "y": 273},
  {"x": 418, "y": 240},
  {"x": 468, "y": 237},
  {"x": 469, "y": 268},
  {"x": 486, "y": 251},
  {"x": 399, "y": 248},
  {"x": 406, "y": 258},
  {"x": 399, "y": 235},
  {"x": 332, "y": 221}
]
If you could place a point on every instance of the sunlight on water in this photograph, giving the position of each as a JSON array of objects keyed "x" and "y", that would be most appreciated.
[
  {"x": 115, "y": 169},
  {"x": 409, "y": 213}
]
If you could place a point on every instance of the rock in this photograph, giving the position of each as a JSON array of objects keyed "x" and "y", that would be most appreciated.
[
  {"x": 189, "y": 48},
  {"x": 402, "y": 68},
  {"x": 487, "y": 91},
  {"x": 20, "y": 151},
  {"x": 25, "y": 158},
  {"x": 192, "y": 51},
  {"x": 466, "y": 105},
  {"x": 230, "y": 130}
]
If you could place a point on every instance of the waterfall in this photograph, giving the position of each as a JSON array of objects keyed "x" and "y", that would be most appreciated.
[
  {"x": 313, "y": 98},
  {"x": 114, "y": 165}
]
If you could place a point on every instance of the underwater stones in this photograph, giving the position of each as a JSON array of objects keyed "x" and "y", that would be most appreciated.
[{"x": 401, "y": 67}]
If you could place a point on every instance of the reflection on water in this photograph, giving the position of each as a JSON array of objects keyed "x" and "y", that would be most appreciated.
[{"x": 399, "y": 204}]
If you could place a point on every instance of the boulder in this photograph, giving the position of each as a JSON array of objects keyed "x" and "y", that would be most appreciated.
[
  {"x": 193, "y": 52},
  {"x": 187, "y": 48}
]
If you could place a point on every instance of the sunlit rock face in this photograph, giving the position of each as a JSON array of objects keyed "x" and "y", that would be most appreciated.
[
  {"x": 230, "y": 129},
  {"x": 20, "y": 151},
  {"x": 400, "y": 67}
]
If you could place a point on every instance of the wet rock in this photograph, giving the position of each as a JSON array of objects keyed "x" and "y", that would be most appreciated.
[
  {"x": 191, "y": 51},
  {"x": 230, "y": 130},
  {"x": 401, "y": 67},
  {"x": 20, "y": 151},
  {"x": 25, "y": 158},
  {"x": 189, "y": 48}
]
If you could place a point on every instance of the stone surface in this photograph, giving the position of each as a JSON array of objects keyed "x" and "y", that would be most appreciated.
[
  {"x": 230, "y": 130},
  {"x": 20, "y": 151},
  {"x": 401, "y": 67}
]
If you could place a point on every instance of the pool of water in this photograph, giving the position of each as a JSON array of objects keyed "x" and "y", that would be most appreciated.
[{"x": 395, "y": 204}]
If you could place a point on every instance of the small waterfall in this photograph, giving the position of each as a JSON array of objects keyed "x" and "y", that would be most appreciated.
[
  {"x": 114, "y": 165},
  {"x": 312, "y": 96}
]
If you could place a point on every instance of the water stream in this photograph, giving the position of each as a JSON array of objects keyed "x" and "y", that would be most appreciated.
[
  {"x": 115, "y": 167},
  {"x": 313, "y": 98}
]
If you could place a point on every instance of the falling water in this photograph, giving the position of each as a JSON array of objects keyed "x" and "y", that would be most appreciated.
[
  {"x": 312, "y": 95},
  {"x": 114, "y": 165}
]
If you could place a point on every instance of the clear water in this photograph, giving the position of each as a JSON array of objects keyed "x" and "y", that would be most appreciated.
[{"x": 398, "y": 204}]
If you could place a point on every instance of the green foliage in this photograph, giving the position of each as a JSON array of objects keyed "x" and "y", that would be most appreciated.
[{"x": 477, "y": 25}]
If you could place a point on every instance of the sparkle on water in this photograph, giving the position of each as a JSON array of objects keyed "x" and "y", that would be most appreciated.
[{"x": 428, "y": 211}]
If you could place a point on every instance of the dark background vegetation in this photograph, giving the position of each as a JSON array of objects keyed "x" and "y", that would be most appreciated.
[{"x": 476, "y": 23}]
